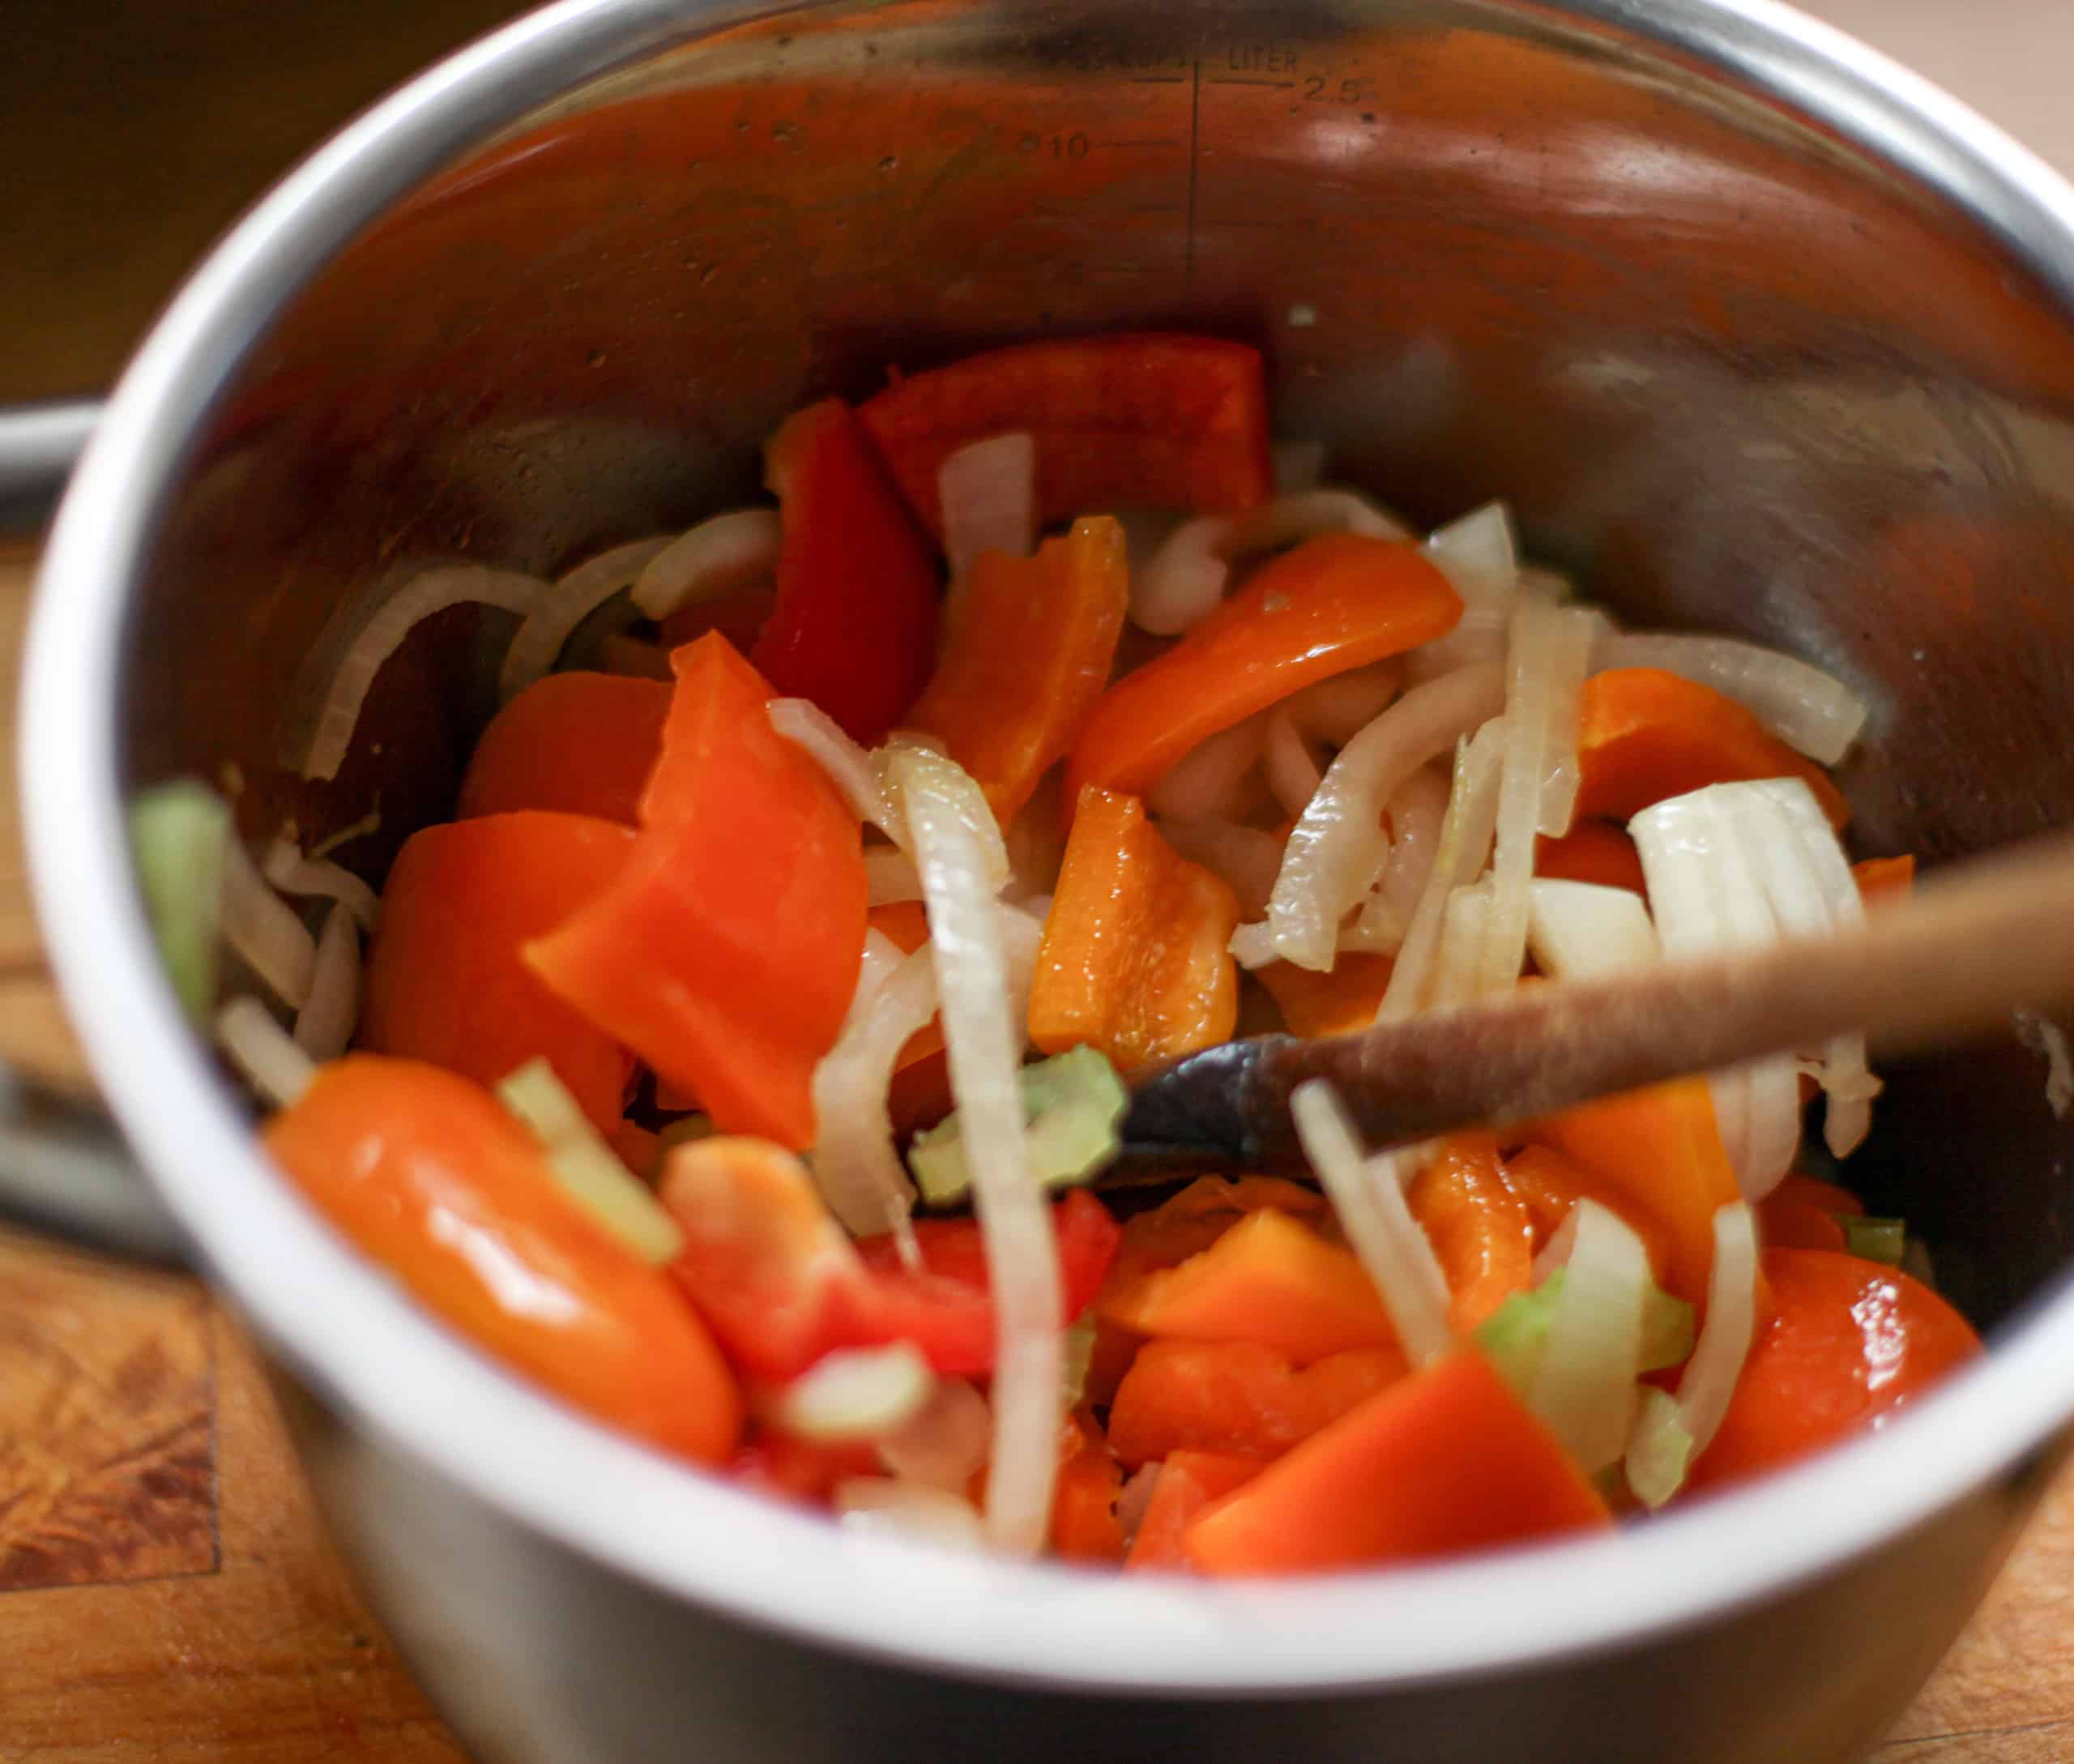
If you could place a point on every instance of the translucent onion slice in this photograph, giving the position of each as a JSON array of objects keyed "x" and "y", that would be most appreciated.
[
  {"x": 586, "y": 1169},
  {"x": 1244, "y": 857},
  {"x": 1659, "y": 1449},
  {"x": 1302, "y": 514},
  {"x": 1215, "y": 777},
  {"x": 324, "y": 1026},
  {"x": 855, "y": 1167},
  {"x": 1726, "y": 1335},
  {"x": 1298, "y": 465},
  {"x": 573, "y": 598},
  {"x": 716, "y": 556},
  {"x": 1458, "y": 857},
  {"x": 892, "y": 876},
  {"x": 944, "y": 1444},
  {"x": 1184, "y": 579},
  {"x": 291, "y": 872},
  {"x": 889, "y": 1507},
  {"x": 263, "y": 1054},
  {"x": 1584, "y": 1386},
  {"x": 1336, "y": 709},
  {"x": 265, "y": 929},
  {"x": 1458, "y": 977},
  {"x": 364, "y": 632},
  {"x": 1808, "y": 709},
  {"x": 1572, "y": 634},
  {"x": 855, "y": 772},
  {"x": 1293, "y": 776},
  {"x": 961, "y": 873},
  {"x": 1134, "y": 1500},
  {"x": 1479, "y": 554},
  {"x": 1338, "y": 848},
  {"x": 855, "y": 1394},
  {"x": 1417, "y": 813},
  {"x": 988, "y": 490},
  {"x": 2048, "y": 1040},
  {"x": 1367, "y": 1193},
  {"x": 1579, "y": 931}
]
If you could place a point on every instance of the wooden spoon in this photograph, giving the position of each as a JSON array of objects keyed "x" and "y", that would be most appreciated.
[{"x": 1971, "y": 944}]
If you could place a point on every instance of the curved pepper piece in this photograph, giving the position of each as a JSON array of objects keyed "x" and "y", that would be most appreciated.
[{"x": 578, "y": 743}]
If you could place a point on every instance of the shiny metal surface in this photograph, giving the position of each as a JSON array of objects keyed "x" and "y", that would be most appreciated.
[{"x": 1757, "y": 332}]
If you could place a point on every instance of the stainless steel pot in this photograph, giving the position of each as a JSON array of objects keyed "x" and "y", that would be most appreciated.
[{"x": 1758, "y": 332}]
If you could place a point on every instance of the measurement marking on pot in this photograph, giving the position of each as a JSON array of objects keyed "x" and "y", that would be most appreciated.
[
  {"x": 1227, "y": 80},
  {"x": 1159, "y": 79}
]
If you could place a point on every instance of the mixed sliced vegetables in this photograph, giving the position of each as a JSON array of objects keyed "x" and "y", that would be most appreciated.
[{"x": 741, "y": 1063}]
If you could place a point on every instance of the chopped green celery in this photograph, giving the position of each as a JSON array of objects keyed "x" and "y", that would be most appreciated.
[
  {"x": 1071, "y": 1104},
  {"x": 1659, "y": 1449},
  {"x": 1668, "y": 1330},
  {"x": 1514, "y": 1334},
  {"x": 1877, "y": 1240},
  {"x": 586, "y": 1169},
  {"x": 179, "y": 834},
  {"x": 1079, "y": 1356}
]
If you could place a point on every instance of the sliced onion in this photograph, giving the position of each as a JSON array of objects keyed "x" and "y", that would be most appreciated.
[
  {"x": 1730, "y": 1325},
  {"x": 716, "y": 558},
  {"x": 1184, "y": 579},
  {"x": 1464, "y": 838},
  {"x": 1215, "y": 777},
  {"x": 2046, "y": 1038},
  {"x": 1417, "y": 813},
  {"x": 1290, "y": 520},
  {"x": 1479, "y": 553},
  {"x": 888, "y": 1507},
  {"x": 988, "y": 490},
  {"x": 1298, "y": 465},
  {"x": 1244, "y": 858},
  {"x": 324, "y": 1026},
  {"x": 944, "y": 1444},
  {"x": 1146, "y": 530},
  {"x": 1338, "y": 846},
  {"x": 1580, "y": 930},
  {"x": 1367, "y": 1195},
  {"x": 1458, "y": 976},
  {"x": 855, "y": 1167},
  {"x": 1806, "y": 708},
  {"x": 1571, "y": 633},
  {"x": 1292, "y": 772},
  {"x": 263, "y": 1053},
  {"x": 891, "y": 875},
  {"x": 1584, "y": 1387},
  {"x": 855, "y": 1394},
  {"x": 291, "y": 872},
  {"x": 854, "y": 772},
  {"x": 1134, "y": 1500},
  {"x": 961, "y": 875},
  {"x": 366, "y": 632},
  {"x": 1337, "y": 708},
  {"x": 573, "y": 598},
  {"x": 265, "y": 929}
]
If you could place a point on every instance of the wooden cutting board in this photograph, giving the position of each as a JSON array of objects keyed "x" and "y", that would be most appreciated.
[{"x": 167, "y": 1592}]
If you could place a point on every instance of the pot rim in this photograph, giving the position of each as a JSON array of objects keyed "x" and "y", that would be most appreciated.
[{"x": 359, "y": 1340}]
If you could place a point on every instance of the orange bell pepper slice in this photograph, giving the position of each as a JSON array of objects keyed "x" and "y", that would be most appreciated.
[
  {"x": 1237, "y": 1396},
  {"x": 1661, "y": 1150},
  {"x": 1338, "y": 601},
  {"x": 424, "y": 1172},
  {"x": 1884, "y": 879},
  {"x": 1085, "y": 1527},
  {"x": 1443, "y": 1461},
  {"x": 1186, "y": 1482},
  {"x": 1149, "y": 420},
  {"x": 1480, "y": 1229},
  {"x": 726, "y": 952},
  {"x": 1591, "y": 852},
  {"x": 1029, "y": 647},
  {"x": 1341, "y": 1001},
  {"x": 1549, "y": 1184},
  {"x": 1645, "y": 735},
  {"x": 854, "y": 626},
  {"x": 1134, "y": 961},
  {"x": 1267, "y": 1279},
  {"x": 447, "y": 981},
  {"x": 577, "y": 743}
]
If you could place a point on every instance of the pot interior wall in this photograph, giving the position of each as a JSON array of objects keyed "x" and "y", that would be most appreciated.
[{"x": 1729, "y": 371}]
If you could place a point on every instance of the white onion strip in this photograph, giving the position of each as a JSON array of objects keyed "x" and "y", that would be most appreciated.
[
  {"x": 291, "y": 872},
  {"x": 855, "y": 1394},
  {"x": 1338, "y": 846},
  {"x": 573, "y": 598},
  {"x": 366, "y": 632},
  {"x": 1584, "y": 1387},
  {"x": 1458, "y": 976},
  {"x": 324, "y": 1026},
  {"x": 265, "y": 930},
  {"x": 1368, "y": 1194},
  {"x": 1293, "y": 776},
  {"x": 1336, "y": 709},
  {"x": 1808, "y": 709},
  {"x": 1571, "y": 635},
  {"x": 1417, "y": 813},
  {"x": 1244, "y": 858},
  {"x": 1215, "y": 777},
  {"x": 943, "y": 1445},
  {"x": 1302, "y": 514},
  {"x": 1580, "y": 930},
  {"x": 961, "y": 875},
  {"x": 263, "y": 1053},
  {"x": 891, "y": 876},
  {"x": 1185, "y": 579},
  {"x": 1725, "y": 1336},
  {"x": 855, "y": 1167},
  {"x": 853, "y": 771},
  {"x": 715, "y": 556},
  {"x": 988, "y": 493}
]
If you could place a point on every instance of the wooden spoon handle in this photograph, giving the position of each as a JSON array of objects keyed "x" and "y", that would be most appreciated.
[{"x": 1972, "y": 943}]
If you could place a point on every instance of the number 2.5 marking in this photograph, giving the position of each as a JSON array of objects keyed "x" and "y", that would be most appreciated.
[{"x": 1318, "y": 89}]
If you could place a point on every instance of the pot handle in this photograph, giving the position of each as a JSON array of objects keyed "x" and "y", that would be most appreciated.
[{"x": 38, "y": 444}]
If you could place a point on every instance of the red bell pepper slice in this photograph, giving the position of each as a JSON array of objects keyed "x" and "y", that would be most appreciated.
[
  {"x": 854, "y": 626},
  {"x": 780, "y": 1285},
  {"x": 1147, "y": 421},
  {"x": 726, "y": 952}
]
